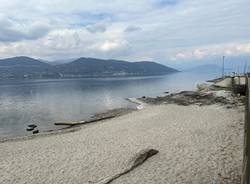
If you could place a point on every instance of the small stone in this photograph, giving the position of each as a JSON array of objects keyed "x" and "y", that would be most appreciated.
[
  {"x": 35, "y": 131},
  {"x": 32, "y": 126},
  {"x": 30, "y": 129}
]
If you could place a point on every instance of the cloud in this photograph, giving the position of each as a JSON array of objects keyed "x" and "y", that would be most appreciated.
[
  {"x": 12, "y": 30},
  {"x": 108, "y": 46},
  {"x": 163, "y": 3},
  {"x": 132, "y": 29},
  {"x": 66, "y": 43},
  {"x": 95, "y": 28},
  {"x": 162, "y": 30},
  {"x": 233, "y": 49}
]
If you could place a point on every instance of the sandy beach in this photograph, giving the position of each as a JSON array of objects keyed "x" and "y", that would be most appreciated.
[{"x": 196, "y": 144}]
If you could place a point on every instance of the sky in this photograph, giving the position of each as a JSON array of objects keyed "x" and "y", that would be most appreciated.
[{"x": 171, "y": 32}]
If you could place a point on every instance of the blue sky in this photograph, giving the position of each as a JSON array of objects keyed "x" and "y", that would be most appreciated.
[{"x": 173, "y": 32}]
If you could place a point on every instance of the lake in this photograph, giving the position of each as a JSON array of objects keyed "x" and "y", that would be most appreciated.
[{"x": 44, "y": 102}]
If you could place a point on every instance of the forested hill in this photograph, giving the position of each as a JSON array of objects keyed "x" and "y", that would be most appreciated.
[{"x": 26, "y": 67}]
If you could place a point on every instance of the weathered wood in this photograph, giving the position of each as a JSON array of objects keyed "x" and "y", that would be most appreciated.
[
  {"x": 136, "y": 161},
  {"x": 246, "y": 160},
  {"x": 84, "y": 122},
  {"x": 248, "y": 136},
  {"x": 69, "y": 123}
]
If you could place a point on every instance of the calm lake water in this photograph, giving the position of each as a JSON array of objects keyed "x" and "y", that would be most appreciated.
[{"x": 44, "y": 102}]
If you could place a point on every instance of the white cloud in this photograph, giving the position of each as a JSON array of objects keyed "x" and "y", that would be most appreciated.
[
  {"x": 13, "y": 30},
  {"x": 61, "y": 43},
  {"x": 107, "y": 45},
  {"x": 233, "y": 49},
  {"x": 157, "y": 29},
  {"x": 98, "y": 27}
]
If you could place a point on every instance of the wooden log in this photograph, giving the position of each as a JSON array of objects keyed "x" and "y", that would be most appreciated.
[
  {"x": 84, "y": 122},
  {"x": 69, "y": 123},
  {"x": 136, "y": 161}
]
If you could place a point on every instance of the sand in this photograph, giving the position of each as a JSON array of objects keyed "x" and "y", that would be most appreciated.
[{"x": 197, "y": 144}]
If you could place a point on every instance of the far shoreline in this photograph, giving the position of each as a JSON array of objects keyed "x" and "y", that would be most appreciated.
[{"x": 89, "y": 77}]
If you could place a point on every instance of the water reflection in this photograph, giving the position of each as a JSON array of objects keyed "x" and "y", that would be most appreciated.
[{"x": 44, "y": 102}]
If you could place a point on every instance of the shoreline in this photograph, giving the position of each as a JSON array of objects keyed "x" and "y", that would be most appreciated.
[
  {"x": 179, "y": 98},
  {"x": 75, "y": 126},
  {"x": 96, "y": 118},
  {"x": 188, "y": 137}
]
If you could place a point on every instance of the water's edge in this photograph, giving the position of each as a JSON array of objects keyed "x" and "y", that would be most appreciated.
[{"x": 96, "y": 118}]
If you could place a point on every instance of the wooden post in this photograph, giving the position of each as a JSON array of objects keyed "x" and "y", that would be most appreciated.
[
  {"x": 232, "y": 84},
  {"x": 248, "y": 136},
  {"x": 246, "y": 160}
]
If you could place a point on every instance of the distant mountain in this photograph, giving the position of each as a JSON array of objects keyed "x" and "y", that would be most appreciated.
[
  {"x": 205, "y": 68},
  {"x": 21, "y": 61},
  {"x": 61, "y": 61},
  {"x": 25, "y": 67},
  {"x": 92, "y": 67}
]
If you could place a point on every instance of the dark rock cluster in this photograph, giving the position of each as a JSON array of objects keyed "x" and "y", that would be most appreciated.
[
  {"x": 32, "y": 127},
  {"x": 188, "y": 98}
]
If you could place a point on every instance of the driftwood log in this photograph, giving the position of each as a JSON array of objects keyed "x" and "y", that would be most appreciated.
[
  {"x": 84, "y": 122},
  {"x": 136, "y": 161}
]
